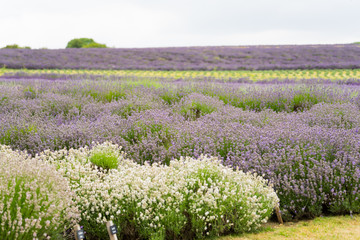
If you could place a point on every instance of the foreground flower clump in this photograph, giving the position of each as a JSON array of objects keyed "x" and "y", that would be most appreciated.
[
  {"x": 190, "y": 198},
  {"x": 36, "y": 202}
]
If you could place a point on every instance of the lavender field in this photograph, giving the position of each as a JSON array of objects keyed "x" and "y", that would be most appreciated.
[
  {"x": 344, "y": 56},
  {"x": 99, "y": 133},
  {"x": 303, "y": 137}
]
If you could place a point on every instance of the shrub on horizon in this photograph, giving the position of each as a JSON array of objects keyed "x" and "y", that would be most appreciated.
[
  {"x": 84, "y": 43},
  {"x": 15, "y": 46},
  {"x": 79, "y": 42}
]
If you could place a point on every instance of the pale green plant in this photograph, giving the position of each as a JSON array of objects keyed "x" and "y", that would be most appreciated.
[{"x": 105, "y": 156}]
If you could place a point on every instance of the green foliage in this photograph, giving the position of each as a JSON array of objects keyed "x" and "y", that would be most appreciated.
[
  {"x": 196, "y": 105},
  {"x": 170, "y": 97},
  {"x": 105, "y": 160},
  {"x": 129, "y": 108},
  {"x": 302, "y": 101},
  {"x": 84, "y": 43},
  {"x": 30, "y": 92},
  {"x": 95, "y": 45},
  {"x": 15, "y": 46},
  {"x": 113, "y": 95},
  {"x": 105, "y": 157},
  {"x": 196, "y": 110},
  {"x": 79, "y": 42},
  {"x": 12, "y": 135},
  {"x": 106, "y": 96}
]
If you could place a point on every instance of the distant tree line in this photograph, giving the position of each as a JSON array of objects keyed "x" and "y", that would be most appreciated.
[
  {"x": 74, "y": 43},
  {"x": 15, "y": 46}
]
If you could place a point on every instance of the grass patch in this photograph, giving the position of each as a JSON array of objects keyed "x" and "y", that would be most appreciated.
[{"x": 334, "y": 227}]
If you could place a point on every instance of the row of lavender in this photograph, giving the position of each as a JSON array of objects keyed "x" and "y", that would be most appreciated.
[
  {"x": 303, "y": 138},
  {"x": 188, "y": 58}
]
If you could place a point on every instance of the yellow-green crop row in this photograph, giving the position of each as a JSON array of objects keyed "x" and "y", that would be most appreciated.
[{"x": 331, "y": 74}]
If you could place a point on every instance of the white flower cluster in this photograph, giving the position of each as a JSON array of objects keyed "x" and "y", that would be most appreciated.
[
  {"x": 36, "y": 202},
  {"x": 198, "y": 197}
]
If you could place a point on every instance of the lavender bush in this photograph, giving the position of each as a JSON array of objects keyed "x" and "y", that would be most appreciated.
[
  {"x": 304, "y": 138},
  {"x": 190, "y": 58}
]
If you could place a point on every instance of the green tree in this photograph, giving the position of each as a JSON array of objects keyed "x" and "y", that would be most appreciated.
[{"x": 84, "y": 43}]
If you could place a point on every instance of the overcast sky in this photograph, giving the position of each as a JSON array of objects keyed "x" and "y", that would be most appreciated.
[{"x": 161, "y": 23}]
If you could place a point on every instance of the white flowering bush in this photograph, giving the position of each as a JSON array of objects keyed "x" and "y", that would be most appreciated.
[
  {"x": 36, "y": 202},
  {"x": 219, "y": 199},
  {"x": 190, "y": 198}
]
